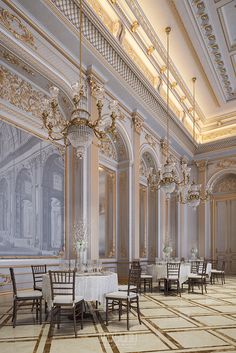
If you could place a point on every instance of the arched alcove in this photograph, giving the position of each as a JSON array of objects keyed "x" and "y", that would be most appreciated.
[
  {"x": 114, "y": 200},
  {"x": 148, "y": 207},
  {"x": 223, "y": 220},
  {"x": 53, "y": 204},
  {"x": 24, "y": 234},
  {"x": 4, "y": 204}
]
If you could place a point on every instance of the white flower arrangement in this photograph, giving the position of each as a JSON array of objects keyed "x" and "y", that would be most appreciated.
[
  {"x": 167, "y": 249},
  {"x": 80, "y": 236},
  {"x": 194, "y": 251}
]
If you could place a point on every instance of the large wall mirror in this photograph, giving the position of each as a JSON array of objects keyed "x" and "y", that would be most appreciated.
[
  {"x": 107, "y": 212},
  {"x": 31, "y": 195}
]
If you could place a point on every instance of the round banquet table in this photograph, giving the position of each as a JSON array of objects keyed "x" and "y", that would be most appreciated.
[
  {"x": 91, "y": 286},
  {"x": 160, "y": 271}
]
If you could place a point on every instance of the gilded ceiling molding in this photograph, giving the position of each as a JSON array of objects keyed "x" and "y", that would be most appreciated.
[
  {"x": 14, "y": 25},
  {"x": 20, "y": 93},
  {"x": 134, "y": 26},
  {"x": 98, "y": 37},
  {"x": 226, "y": 163},
  {"x": 213, "y": 135},
  {"x": 98, "y": 9},
  {"x": 202, "y": 18},
  {"x": 150, "y": 50},
  {"x": 225, "y": 143},
  {"x": 133, "y": 55},
  {"x": 12, "y": 59},
  {"x": 146, "y": 26}
]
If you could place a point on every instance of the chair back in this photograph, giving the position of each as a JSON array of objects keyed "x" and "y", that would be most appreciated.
[
  {"x": 173, "y": 270},
  {"x": 202, "y": 266},
  {"x": 135, "y": 264},
  {"x": 13, "y": 281},
  {"x": 134, "y": 280},
  {"x": 38, "y": 271},
  {"x": 221, "y": 266},
  {"x": 194, "y": 266},
  {"x": 62, "y": 283}
]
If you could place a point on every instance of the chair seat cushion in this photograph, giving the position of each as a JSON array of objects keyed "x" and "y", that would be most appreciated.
[
  {"x": 124, "y": 287},
  {"x": 144, "y": 276},
  {"x": 217, "y": 271},
  {"x": 172, "y": 278},
  {"x": 34, "y": 294},
  {"x": 66, "y": 300},
  {"x": 195, "y": 276},
  {"x": 121, "y": 295}
]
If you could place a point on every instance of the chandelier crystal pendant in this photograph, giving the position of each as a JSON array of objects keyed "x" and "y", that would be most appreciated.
[
  {"x": 167, "y": 177},
  {"x": 79, "y": 130},
  {"x": 193, "y": 195}
]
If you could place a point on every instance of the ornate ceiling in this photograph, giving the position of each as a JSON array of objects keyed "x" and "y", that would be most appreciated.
[{"x": 39, "y": 43}]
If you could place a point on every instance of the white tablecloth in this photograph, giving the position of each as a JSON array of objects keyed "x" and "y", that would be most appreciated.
[
  {"x": 160, "y": 270},
  {"x": 91, "y": 287}
]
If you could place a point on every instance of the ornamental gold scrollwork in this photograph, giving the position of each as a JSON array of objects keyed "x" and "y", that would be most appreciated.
[
  {"x": 14, "y": 25},
  {"x": 137, "y": 123},
  {"x": 20, "y": 93}
]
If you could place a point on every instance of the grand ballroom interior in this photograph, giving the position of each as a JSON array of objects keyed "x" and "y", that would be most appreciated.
[{"x": 117, "y": 176}]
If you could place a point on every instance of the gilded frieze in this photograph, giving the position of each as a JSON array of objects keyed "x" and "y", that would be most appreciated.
[
  {"x": 227, "y": 184},
  {"x": 20, "y": 93},
  {"x": 135, "y": 57},
  {"x": 108, "y": 150},
  {"x": 219, "y": 134},
  {"x": 12, "y": 59},
  {"x": 14, "y": 25},
  {"x": 101, "y": 14}
]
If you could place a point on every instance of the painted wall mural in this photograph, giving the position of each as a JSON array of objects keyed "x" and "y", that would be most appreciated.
[{"x": 31, "y": 195}]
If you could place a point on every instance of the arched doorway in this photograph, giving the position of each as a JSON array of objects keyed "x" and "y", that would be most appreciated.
[{"x": 224, "y": 220}]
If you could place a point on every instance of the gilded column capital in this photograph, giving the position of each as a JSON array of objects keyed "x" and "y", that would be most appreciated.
[
  {"x": 137, "y": 122},
  {"x": 95, "y": 82},
  {"x": 201, "y": 165},
  {"x": 164, "y": 146}
]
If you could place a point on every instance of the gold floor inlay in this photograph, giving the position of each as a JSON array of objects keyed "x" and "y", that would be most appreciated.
[{"x": 192, "y": 323}]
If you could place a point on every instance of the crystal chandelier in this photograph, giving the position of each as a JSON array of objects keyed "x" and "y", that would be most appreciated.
[
  {"x": 79, "y": 130},
  {"x": 167, "y": 177},
  {"x": 193, "y": 194}
]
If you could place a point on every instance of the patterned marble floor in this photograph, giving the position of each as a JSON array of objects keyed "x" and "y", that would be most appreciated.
[{"x": 192, "y": 323}]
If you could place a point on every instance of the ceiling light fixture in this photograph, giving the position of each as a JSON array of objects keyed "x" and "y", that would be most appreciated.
[
  {"x": 193, "y": 195},
  {"x": 79, "y": 130},
  {"x": 167, "y": 177}
]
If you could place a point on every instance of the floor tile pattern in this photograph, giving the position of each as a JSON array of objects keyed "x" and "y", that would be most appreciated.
[{"x": 190, "y": 324}]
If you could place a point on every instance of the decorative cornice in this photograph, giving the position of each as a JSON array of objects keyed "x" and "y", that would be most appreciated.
[
  {"x": 150, "y": 33},
  {"x": 203, "y": 20},
  {"x": 226, "y": 143},
  {"x": 20, "y": 93},
  {"x": 14, "y": 25},
  {"x": 102, "y": 40}
]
